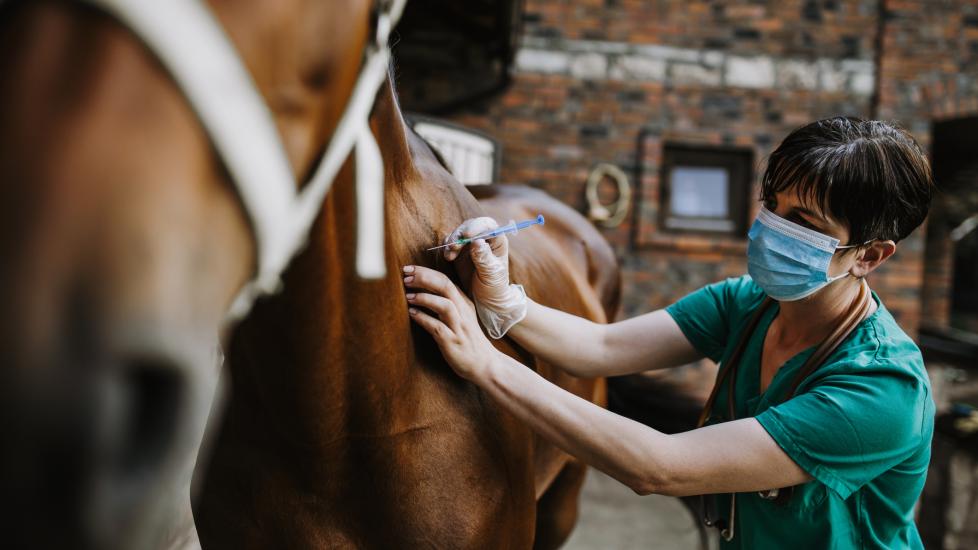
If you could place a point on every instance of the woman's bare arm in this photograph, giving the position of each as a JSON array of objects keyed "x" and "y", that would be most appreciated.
[
  {"x": 734, "y": 456},
  {"x": 587, "y": 349}
]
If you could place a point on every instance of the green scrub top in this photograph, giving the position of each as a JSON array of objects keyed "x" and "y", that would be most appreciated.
[{"x": 860, "y": 425}]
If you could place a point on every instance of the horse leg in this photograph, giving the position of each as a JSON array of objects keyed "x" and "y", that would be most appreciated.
[{"x": 557, "y": 507}]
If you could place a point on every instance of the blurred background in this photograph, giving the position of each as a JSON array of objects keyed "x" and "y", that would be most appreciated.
[{"x": 654, "y": 118}]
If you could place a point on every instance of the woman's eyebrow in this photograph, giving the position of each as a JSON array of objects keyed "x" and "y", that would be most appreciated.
[{"x": 813, "y": 219}]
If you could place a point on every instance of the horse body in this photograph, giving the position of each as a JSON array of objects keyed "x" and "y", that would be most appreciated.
[{"x": 346, "y": 428}]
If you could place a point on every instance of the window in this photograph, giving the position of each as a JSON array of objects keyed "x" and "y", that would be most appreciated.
[
  {"x": 706, "y": 189},
  {"x": 473, "y": 158},
  {"x": 951, "y": 253},
  {"x": 964, "y": 282}
]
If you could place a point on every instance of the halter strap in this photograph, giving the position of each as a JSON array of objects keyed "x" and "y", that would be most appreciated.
[{"x": 201, "y": 59}]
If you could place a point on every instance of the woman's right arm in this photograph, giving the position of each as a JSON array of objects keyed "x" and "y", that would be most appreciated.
[
  {"x": 588, "y": 349},
  {"x": 574, "y": 344}
]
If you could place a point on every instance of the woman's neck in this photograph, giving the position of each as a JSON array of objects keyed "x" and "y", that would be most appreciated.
[{"x": 809, "y": 320}]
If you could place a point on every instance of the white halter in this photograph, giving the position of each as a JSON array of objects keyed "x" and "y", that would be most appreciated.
[{"x": 191, "y": 44}]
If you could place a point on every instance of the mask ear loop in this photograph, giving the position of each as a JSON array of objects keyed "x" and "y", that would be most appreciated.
[{"x": 847, "y": 247}]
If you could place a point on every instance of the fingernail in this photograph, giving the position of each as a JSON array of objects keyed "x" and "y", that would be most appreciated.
[
  {"x": 412, "y": 311},
  {"x": 408, "y": 269},
  {"x": 409, "y": 278},
  {"x": 409, "y": 296}
]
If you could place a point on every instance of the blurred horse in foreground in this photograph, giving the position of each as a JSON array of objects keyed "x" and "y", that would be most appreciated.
[{"x": 127, "y": 235}]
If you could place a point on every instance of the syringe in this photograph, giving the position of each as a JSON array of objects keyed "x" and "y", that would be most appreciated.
[{"x": 511, "y": 227}]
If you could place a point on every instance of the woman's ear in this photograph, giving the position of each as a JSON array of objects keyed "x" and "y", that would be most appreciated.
[{"x": 871, "y": 257}]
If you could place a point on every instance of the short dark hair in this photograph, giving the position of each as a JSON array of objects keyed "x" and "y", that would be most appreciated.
[{"x": 868, "y": 174}]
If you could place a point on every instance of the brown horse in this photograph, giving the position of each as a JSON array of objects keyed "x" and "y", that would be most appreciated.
[
  {"x": 346, "y": 428},
  {"x": 123, "y": 243}
]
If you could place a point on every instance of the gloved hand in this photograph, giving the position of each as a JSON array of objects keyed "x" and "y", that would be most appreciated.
[{"x": 499, "y": 304}]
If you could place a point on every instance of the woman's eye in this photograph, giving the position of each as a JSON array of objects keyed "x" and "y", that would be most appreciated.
[{"x": 801, "y": 221}]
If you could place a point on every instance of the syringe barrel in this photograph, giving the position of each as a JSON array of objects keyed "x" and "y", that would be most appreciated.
[{"x": 512, "y": 227}]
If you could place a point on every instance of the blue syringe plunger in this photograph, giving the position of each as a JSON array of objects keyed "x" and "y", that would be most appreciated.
[{"x": 512, "y": 227}]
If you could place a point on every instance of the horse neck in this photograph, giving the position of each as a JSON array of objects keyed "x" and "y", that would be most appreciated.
[
  {"x": 423, "y": 203},
  {"x": 339, "y": 349},
  {"x": 391, "y": 132}
]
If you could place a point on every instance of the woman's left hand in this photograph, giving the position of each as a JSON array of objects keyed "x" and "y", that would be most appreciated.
[{"x": 454, "y": 324}]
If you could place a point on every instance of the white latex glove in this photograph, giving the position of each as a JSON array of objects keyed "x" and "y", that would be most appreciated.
[{"x": 500, "y": 305}]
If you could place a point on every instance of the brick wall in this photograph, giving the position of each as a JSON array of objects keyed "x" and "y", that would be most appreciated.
[{"x": 595, "y": 79}]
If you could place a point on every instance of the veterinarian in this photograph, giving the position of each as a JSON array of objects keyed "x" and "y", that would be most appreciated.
[{"x": 818, "y": 431}]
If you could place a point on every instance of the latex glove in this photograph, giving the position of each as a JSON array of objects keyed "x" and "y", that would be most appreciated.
[{"x": 499, "y": 304}]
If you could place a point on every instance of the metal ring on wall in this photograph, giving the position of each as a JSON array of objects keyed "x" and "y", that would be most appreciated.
[{"x": 600, "y": 213}]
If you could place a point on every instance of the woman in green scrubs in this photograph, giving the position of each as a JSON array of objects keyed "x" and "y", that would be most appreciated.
[{"x": 841, "y": 433}]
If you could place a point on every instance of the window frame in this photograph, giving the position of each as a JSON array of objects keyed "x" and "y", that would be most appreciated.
[
  {"x": 495, "y": 159},
  {"x": 739, "y": 164}
]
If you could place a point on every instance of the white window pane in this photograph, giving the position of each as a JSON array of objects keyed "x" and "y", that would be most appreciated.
[
  {"x": 469, "y": 155},
  {"x": 698, "y": 191},
  {"x": 471, "y": 166}
]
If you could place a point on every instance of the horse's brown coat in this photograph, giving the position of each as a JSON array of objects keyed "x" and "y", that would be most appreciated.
[{"x": 346, "y": 428}]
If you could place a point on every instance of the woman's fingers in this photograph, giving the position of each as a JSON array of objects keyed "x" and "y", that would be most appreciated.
[
  {"x": 468, "y": 228},
  {"x": 500, "y": 246},
  {"x": 478, "y": 226},
  {"x": 443, "y": 297},
  {"x": 443, "y": 307},
  {"x": 491, "y": 269},
  {"x": 449, "y": 317},
  {"x": 428, "y": 279},
  {"x": 452, "y": 252},
  {"x": 434, "y": 327}
]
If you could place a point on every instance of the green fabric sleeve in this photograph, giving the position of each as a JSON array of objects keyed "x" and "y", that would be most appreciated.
[
  {"x": 707, "y": 315},
  {"x": 849, "y": 428}
]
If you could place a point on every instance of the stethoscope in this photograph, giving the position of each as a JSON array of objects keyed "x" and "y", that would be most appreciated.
[{"x": 857, "y": 312}]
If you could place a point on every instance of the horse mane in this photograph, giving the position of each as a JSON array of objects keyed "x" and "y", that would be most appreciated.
[
  {"x": 392, "y": 78},
  {"x": 434, "y": 151}
]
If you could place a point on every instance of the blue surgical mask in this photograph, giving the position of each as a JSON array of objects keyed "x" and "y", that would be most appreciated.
[{"x": 788, "y": 261}]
